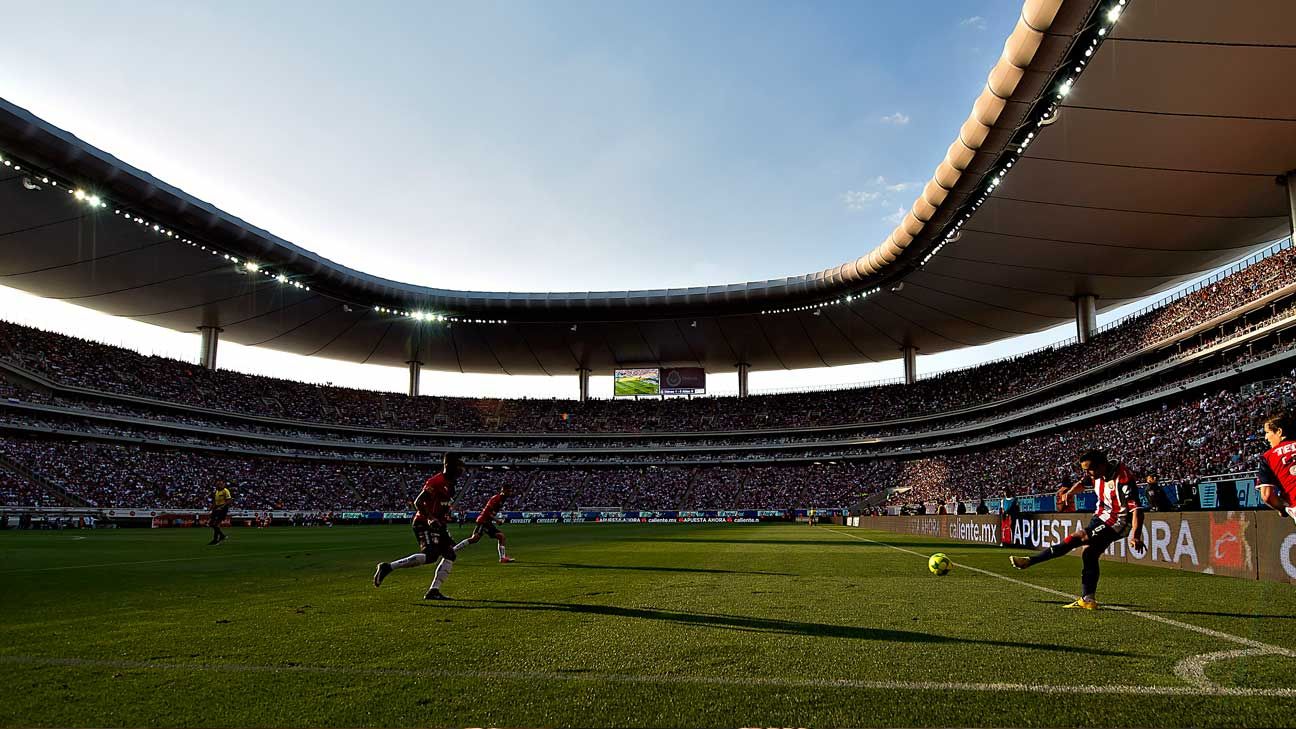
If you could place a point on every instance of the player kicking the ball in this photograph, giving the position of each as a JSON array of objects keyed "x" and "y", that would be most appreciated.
[
  {"x": 1118, "y": 513},
  {"x": 1277, "y": 478},
  {"x": 431, "y": 513},
  {"x": 486, "y": 524}
]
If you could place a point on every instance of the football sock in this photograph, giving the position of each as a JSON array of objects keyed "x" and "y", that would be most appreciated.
[
  {"x": 414, "y": 560},
  {"x": 1057, "y": 550},
  {"x": 442, "y": 570},
  {"x": 499, "y": 547},
  {"x": 461, "y": 545}
]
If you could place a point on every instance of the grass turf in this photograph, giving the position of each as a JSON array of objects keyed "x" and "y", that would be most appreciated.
[{"x": 597, "y": 625}]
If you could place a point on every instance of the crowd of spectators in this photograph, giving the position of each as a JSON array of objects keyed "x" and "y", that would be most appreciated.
[
  {"x": 1216, "y": 432},
  {"x": 1204, "y": 435},
  {"x": 110, "y": 475},
  {"x": 82, "y": 363}
]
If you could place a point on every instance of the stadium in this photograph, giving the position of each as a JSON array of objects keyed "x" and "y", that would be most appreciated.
[{"x": 186, "y": 544}]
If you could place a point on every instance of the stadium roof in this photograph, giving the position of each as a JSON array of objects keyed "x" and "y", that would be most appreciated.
[{"x": 1138, "y": 144}]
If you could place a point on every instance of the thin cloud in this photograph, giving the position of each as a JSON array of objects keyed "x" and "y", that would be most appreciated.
[
  {"x": 976, "y": 22},
  {"x": 859, "y": 199},
  {"x": 899, "y": 119},
  {"x": 902, "y": 186},
  {"x": 896, "y": 217}
]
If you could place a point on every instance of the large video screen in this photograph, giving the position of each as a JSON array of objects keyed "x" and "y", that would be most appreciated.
[
  {"x": 683, "y": 381},
  {"x": 636, "y": 381}
]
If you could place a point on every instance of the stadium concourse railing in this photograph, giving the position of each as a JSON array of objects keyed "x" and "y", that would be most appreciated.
[
  {"x": 45, "y": 517},
  {"x": 1258, "y": 545},
  {"x": 1226, "y": 491}
]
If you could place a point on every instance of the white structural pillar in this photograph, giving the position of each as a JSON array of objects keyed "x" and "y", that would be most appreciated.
[
  {"x": 583, "y": 375},
  {"x": 1290, "y": 180},
  {"x": 744, "y": 370},
  {"x": 1086, "y": 317},
  {"x": 207, "y": 353},
  {"x": 415, "y": 369},
  {"x": 910, "y": 364}
]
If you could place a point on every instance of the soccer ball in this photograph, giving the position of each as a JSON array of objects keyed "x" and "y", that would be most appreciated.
[{"x": 939, "y": 564}]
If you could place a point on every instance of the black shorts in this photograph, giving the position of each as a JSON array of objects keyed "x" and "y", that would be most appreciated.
[
  {"x": 434, "y": 541},
  {"x": 218, "y": 515},
  {"x": 1102, "y": 535},
  {"x": 488, "y": 528}
]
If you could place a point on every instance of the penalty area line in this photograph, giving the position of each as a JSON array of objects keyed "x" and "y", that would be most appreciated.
[{"x": 625, "y": 678}]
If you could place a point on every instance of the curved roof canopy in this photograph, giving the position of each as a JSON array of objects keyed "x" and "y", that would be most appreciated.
[{"x": 1119, "y": 148}]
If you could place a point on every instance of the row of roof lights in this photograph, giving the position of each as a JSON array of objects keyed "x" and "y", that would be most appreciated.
[
  {"x": 242, "y": 266},
  {"x": 434, "y": 317},
  {"x": 1113, "y": 13},
  {"x": 835, "y": 302}
]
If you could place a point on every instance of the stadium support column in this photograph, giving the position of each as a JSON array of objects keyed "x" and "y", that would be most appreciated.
[
  {"x": 1290, "y": 180},
  {"x": 415, "y": 369},
  {"x": 583, "y": 375},
  {"x": 910, "y": 363},
  {"x": 1086, "y": 317},
  {"x": 210, "y": 338},
  {"x": 744, "y": 370}
]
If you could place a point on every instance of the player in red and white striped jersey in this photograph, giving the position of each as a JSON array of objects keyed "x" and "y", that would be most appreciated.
[
  {"x": 1118, "y": 513},
  {"x": 1277, "y": 478}
]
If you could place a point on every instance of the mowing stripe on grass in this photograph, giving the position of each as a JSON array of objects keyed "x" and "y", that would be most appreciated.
[
  {"x": 738, "y": 681},
  {"x": 221, "y": 557}
]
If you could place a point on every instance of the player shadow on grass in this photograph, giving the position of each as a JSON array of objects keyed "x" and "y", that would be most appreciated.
[
  {"x": 813, "y": 542},
  {"x": 760, "y": 625},
  {"x": 1142, "y": 609},
  {"x": 699, "y": 570},
  {"x": 749, "y": 542}
]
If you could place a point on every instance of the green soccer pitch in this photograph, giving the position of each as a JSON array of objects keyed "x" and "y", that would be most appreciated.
[
  {"x": 637, "y": 386},
  {"x": 634, "y": 625}
]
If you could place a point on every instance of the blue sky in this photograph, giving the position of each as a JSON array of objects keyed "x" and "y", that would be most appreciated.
[{"x": 519, "y": 145}]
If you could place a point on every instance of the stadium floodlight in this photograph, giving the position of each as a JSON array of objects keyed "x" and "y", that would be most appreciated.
[
  {"x": 1114, "y": 13},
  {"x": 282, "y": 278},
  {"x": 252, "y": 266}
]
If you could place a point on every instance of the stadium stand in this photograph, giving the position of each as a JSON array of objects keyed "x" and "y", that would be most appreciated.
[
  {"x": 83, "y": 364},
  {"x": 1176, "y": 391}
]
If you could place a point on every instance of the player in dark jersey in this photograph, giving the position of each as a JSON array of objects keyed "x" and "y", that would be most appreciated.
[
  {"x": 486, "y": 525},
  {"x": 431, "y": 514},
  {"x": 1118, "y": 513},
  {"x": 221, "y": 501},
  {"x": 1277, "y": 478}
]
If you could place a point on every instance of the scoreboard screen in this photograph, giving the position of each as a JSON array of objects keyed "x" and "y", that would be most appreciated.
[
  {"x": 683, "y": 381},
  {"x": 636, "y": 381}
]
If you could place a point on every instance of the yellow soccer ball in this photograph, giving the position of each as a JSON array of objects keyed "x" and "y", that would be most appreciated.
[{"x": 939, "y": 564}]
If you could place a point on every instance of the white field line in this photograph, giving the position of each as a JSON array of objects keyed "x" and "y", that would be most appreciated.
[
  {"x": 212, "y": 556},
  {"x": 1191, "y": 669},
  {"x": 624, "y": 678}
]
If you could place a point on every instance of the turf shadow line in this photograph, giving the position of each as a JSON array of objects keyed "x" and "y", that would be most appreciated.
[
  {"x": 663, "y": 680},
  {"x": 759, "y": 625},
  {"x": 637, "y": 568},
  {"x": 744, "y": 542}
]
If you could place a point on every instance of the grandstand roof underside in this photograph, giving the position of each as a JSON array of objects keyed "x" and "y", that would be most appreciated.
[{"x": 1160, "y": 165}]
